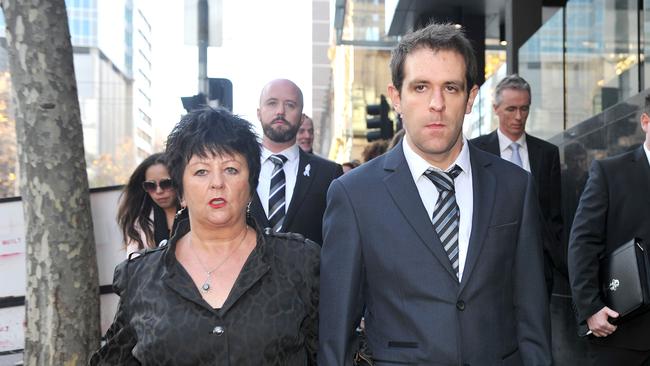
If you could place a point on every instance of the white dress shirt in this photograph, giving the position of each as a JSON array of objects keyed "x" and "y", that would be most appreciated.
[
  {"x": 506, "y": 151},
  {"x": 429, "y": 194},
  {"x": 290, "y": 168},
  {"x": 647, "y": 152}
]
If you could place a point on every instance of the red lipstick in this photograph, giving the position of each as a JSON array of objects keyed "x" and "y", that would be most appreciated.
[{"x": 217, "y": 202}]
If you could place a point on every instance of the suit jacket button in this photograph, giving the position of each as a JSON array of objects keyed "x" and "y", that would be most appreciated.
[
  {"x": 218, "y": 330},
  {"x": 460, "y": 305}
]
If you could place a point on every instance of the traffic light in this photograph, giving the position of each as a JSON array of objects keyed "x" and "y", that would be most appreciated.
[
  {"x": 219, "y": 95},
  {"x": 220, "y": 90},
  {"x": 377, "y": 122},
  {"x": 194, "y": 102}
]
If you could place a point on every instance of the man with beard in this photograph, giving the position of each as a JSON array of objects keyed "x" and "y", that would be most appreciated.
[{"x": 293, "y": 184}]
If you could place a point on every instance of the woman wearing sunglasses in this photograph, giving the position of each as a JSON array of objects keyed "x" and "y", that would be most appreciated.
[{"x": 148, "y": 205}]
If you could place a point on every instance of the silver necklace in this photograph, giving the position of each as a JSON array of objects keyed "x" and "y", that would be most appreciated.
[{"x": 206, "y": 284}]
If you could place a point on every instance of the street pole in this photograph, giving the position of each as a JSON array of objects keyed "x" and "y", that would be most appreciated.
[{"x": 203, "y": 15}]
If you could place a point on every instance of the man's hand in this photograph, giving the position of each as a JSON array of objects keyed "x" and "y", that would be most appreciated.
[{"x": 599, "y": 323}]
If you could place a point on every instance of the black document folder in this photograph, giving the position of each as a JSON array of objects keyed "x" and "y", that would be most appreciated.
[{"x": 625, "y": 282}]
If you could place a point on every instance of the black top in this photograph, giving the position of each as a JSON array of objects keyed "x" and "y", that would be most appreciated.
[
  {"x": 160, "y": 231},
  {"x": 269, "y": 317}
]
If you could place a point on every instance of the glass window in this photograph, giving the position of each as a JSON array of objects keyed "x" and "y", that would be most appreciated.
[
  {"x": 541, "y": 64},
  {"x": 602, "y": 56},
  {"x": 482, "y": 119},
  {"x": 85, "y": 28},
  {"x": 646, "y": 44},
  {"x": 364, "y": 24}
]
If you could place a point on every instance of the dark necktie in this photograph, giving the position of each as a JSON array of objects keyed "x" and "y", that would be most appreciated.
[
  {"x": 276, "y": 192},
  {"x": 446, "y": 213}
]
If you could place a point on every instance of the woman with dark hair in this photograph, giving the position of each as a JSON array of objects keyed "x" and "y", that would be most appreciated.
[
  {"x": 148, "y": 205},
  {"x": 222, "y": 292}
]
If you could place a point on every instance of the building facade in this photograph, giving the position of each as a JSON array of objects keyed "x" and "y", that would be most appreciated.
[{"x": 113, "y": 73}]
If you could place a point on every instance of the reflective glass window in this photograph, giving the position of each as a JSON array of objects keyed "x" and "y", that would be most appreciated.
[
  {"x": 541, "y": 64},
  {"x": 646, "y": 44},
  {"x": 601, "y": 56}
]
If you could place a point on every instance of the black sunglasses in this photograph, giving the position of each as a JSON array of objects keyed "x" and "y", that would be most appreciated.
[{"x": 164, "y": 184}]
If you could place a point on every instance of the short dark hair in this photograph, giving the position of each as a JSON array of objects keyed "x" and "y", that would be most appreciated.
[
  {"x": 513, "y": 81},
  {"x": 436, "y": 37},
  {"x": 212, "y": 131}
]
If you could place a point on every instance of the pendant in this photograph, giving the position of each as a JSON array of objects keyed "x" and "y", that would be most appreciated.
[{"x": 206, "y": 286}]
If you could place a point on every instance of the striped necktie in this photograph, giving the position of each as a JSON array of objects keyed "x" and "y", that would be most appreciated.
[
  {"x": 446, "y": 214},
  {"x": 276, "y": 192}
]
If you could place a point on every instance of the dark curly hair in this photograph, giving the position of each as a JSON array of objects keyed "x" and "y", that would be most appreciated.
[
  {"x": 136, "y": 205},
  {"x": 212, "y": 131}
]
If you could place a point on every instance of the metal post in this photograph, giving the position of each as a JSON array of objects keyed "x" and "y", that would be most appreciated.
[{"x": 203, "y": 15}]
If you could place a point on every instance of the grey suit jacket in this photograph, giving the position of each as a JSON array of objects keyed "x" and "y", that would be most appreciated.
[{"x": 381, "y": 252}]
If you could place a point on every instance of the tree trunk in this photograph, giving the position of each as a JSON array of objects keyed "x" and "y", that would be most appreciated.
[{"x": 62, "y": 300}]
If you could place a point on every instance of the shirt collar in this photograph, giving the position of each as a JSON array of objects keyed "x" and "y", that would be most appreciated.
[
  {"x": 290, "y": 153},
  {"x": 504, "y": 141},
  {"x": 647, "y": 152},
  {"x": 419, "y": 166}
]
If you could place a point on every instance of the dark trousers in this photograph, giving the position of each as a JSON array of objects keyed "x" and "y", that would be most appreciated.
[{"x": 613, "y": 356}]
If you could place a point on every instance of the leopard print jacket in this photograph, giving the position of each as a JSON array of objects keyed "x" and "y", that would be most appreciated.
[{"x": 269, "y": 318}]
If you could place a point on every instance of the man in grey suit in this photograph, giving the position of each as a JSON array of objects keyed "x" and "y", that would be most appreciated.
[{"x": 437, "y": 240}]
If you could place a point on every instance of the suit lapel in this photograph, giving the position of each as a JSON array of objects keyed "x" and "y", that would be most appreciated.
[
  {"x": 400, "y": 185},
  {"x": 493, "y": 144},
  {"x": 535, "y": 160},
  {"x": 643, "y": 168},
  {"x": 303, "y": 183},
  {"x": 484, "y": 189}
]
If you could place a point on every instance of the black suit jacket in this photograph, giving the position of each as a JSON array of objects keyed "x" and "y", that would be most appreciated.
[
  {"x": 381, "y": 253},
  {"x": 305, "y": 212},
  {"x": 614, "y": 208},
  {"x": 544, "y": 159}
]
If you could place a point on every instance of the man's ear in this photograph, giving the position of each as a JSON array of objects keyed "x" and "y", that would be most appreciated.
[
  {"x": 395, "y": 98},
  {"x": 645, "y": 122},
  {"x": 470, "y": 99}
]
